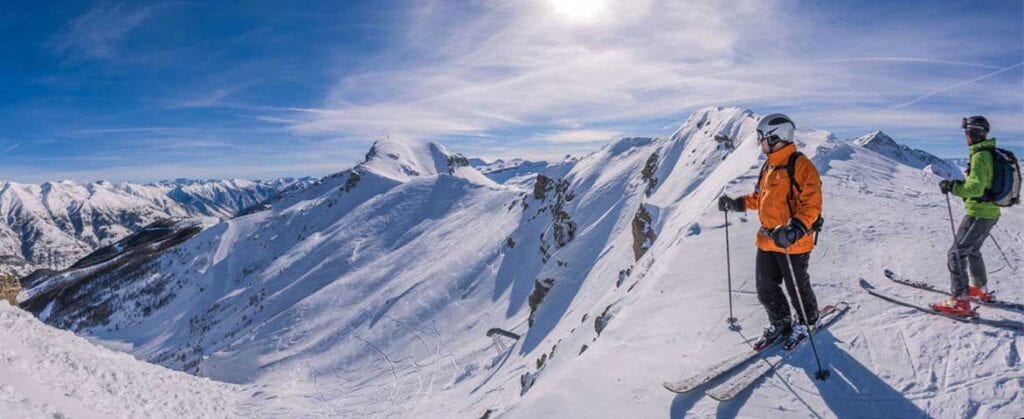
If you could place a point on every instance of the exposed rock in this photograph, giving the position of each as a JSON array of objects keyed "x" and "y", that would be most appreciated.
[
  {"x": 540, "y": 290},
  {"x": 541, "y": 187},
  {"x": 9, "y": 288},
  {"x": 564, "y": 226},
  {"x": 648, "y": 173},
  {"x": 352, "y": 181},
  {"x": 643, "y": 233},
  {"x": 602, "y": 321}
]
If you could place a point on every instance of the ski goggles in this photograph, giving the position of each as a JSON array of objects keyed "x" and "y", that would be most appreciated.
[
  {"x": 771, "y": 138},
  {"x": 967, "y": 126}
]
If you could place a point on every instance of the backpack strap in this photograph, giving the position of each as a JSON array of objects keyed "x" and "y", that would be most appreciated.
[
  {"x": 760, "y": 176},
  {"x": 793, "y": 184},
  {"x": 816, "y": 225},
  {"x": 986, "y": 196}
]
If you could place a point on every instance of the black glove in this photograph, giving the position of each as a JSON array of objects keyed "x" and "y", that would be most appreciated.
[
  {"x": 946, "y": 185},
  {"x": 785, "y": 236},
  {"x": 725, "y": 203}
]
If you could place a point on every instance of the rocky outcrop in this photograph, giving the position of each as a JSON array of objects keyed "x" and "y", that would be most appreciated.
[
  {"x": 650, "y": 167},
  {"x": 9, "y": 288},
  {"x": 562, "y": 223},
  {"x": 540, "y": 290},
  {"x": 643, "y": 233}
]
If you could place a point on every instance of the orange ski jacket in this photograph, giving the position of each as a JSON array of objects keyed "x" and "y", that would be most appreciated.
[{"x": 775, "y": 197}]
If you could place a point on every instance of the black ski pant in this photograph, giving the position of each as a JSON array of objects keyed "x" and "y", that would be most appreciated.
[
  {"x": 966, "y": 253},
  {"x": 772, "y": 272}
]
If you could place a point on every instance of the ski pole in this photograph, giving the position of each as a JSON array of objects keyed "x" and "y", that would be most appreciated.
[
  {"x": 949, "y": 207},
  {"x": 952, "y": 229},
  {"x": 822, "y": 374},
  {"x": 1012, "y": 268},
  {"x": 728, "y": 269}
]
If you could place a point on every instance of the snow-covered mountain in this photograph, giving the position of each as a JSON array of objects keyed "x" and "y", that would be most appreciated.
[
  {"x": 519, "y": 170},
  {"x": 920, "y": 159},
  {"x": 54, "y": 224},
  {"x": 380, "y": 290}
]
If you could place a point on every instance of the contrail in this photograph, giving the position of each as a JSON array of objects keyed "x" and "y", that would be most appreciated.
[
  {"x": 909, "y": 60},
  {"x": 930, "y": 94},
  {"x": 8, "y": 149}
]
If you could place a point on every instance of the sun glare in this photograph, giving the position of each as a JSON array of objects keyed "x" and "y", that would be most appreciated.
[{"x": 580, "y": 10}]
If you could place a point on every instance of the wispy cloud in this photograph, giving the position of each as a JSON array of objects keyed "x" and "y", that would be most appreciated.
[
  {"x": 579, "y": 136},
  {"x": 907, "y": 60},
  {"x": 525, "y": 66},
  {"x": 10, "y": 148},
  {"x": 99, "y": 33},
  {"x": 961, "y": 84}
]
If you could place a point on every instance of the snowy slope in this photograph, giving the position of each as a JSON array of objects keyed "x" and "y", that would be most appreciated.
[
  {"x": 53, "y": 224},
  {"x": 519, "y": 170},
  {"x": 371, "y": 292},
  {"x": 885, "y": 145},
  {"x": 49, "y": 373}
]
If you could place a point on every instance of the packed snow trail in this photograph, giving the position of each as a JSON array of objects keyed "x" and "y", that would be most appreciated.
[{"x": 51, "y": 373}]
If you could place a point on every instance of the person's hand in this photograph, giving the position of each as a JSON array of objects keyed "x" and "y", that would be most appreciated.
[
  {"x": 725, "y": 203},
  {"x": 946, "y": 185},
  {"x": 784, "y": 236}
]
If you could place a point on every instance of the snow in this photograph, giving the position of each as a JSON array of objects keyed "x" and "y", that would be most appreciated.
[
  {"x": 920, "y": 159},
  {"x": 46, "y": 372},
  {"x": 370, "y": 292},
  {"x": 56, "y": 223}
]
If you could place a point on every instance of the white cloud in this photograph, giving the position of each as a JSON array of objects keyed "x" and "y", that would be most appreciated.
[
  {"x": 99, "y": 33},
  {"x": 579, "y": 136},
  {"x": 526, "y": 67}
]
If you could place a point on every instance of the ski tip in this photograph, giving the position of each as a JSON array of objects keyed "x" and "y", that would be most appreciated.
[
  {"x": 866, "y": 285},
  {"x": 668, "y": 386}
]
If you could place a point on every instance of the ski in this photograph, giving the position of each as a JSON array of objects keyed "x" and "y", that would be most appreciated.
[
  {"x": 703, "y": 377},
  {"x": 692, "y": 382},
  {"x": 1003, "y": 324},
  {"x": 707, "y": 375},
  {"x": 929, "y": 287},
  {"x": 736, "y": 384}
]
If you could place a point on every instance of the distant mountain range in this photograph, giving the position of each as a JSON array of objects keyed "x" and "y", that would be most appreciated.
[
  {"x": 883, "y": 144},
  {"x": 52, "y": 225}
]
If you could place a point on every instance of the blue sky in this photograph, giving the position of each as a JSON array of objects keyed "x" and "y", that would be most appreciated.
[{"x": 143, "y": 91}]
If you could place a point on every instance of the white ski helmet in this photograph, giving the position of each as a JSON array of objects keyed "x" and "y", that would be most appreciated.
[{"x": 775, "y": 127}]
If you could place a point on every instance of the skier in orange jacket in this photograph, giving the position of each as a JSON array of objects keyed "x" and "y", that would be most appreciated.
[{"x": 788, "y": 200}]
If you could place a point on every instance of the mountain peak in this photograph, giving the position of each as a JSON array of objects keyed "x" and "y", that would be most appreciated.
[
  {"x": 403, "y": 160},
  {"x": 877, "y": 138},
  {"x": 885, "y": 145}
]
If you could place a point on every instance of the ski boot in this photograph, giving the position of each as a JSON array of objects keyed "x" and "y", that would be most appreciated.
[
  {"x": 979, "y": 293},
  {"x": 800, "y": 332},
  {"x": 772, "y": 333},
  {"x": 955, "y": 306}
]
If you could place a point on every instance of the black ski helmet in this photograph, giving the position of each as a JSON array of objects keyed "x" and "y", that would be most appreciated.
[{"x": 977, "y": 128}]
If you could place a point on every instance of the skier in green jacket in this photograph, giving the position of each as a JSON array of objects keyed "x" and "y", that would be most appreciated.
[{"x": 975, "y": 226}]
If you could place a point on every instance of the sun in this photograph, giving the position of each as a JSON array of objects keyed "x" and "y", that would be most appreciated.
[{"x": 580, "y": 10}]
